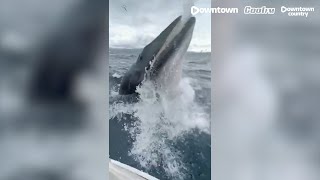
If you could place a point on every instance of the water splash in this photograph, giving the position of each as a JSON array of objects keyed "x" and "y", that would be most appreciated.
[{"x": 162, "y": 120}]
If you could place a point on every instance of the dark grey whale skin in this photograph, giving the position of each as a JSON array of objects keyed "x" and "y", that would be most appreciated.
[{"x": 136, "y": 74}]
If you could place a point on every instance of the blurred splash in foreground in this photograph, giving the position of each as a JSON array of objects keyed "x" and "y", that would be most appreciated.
[
  {"x": 53, "y": 90},
  {"x": 266, "y": 122}
]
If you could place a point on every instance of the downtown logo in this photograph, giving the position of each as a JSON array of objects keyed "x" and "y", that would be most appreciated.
[{"x": 297, "y": 11}]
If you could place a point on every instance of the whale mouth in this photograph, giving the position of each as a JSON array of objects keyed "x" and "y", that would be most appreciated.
[{"x": 176, "y": 41}]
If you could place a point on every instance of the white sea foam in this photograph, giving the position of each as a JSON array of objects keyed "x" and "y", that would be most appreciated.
[
  {"x": 116, "y": 75},
  {"x": 162, "y": 120}
]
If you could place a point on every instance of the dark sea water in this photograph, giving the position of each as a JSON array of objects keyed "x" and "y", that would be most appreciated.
[{"x": 169, "y": 140}]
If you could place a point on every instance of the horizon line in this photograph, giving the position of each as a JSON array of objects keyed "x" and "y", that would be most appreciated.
[{"x": 201, "y": 51}]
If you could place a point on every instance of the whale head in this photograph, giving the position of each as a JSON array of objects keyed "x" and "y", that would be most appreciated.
[{"x": 161, "y": 59}]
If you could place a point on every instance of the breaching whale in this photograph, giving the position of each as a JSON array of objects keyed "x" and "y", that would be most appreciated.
[{"x": 161, "y": 60}]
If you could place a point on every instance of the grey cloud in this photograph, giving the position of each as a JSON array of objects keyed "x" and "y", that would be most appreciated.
[{"x": 141, "y": 21}]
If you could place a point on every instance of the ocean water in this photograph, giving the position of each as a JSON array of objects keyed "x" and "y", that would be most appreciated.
[{"x": 170, "y": 138}]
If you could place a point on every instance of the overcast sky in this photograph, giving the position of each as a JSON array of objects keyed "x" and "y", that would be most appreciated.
[{"x": 143, "y": 20}]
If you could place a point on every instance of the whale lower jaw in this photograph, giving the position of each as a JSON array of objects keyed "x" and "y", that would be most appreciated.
[{"x": 169, "y": 75}]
